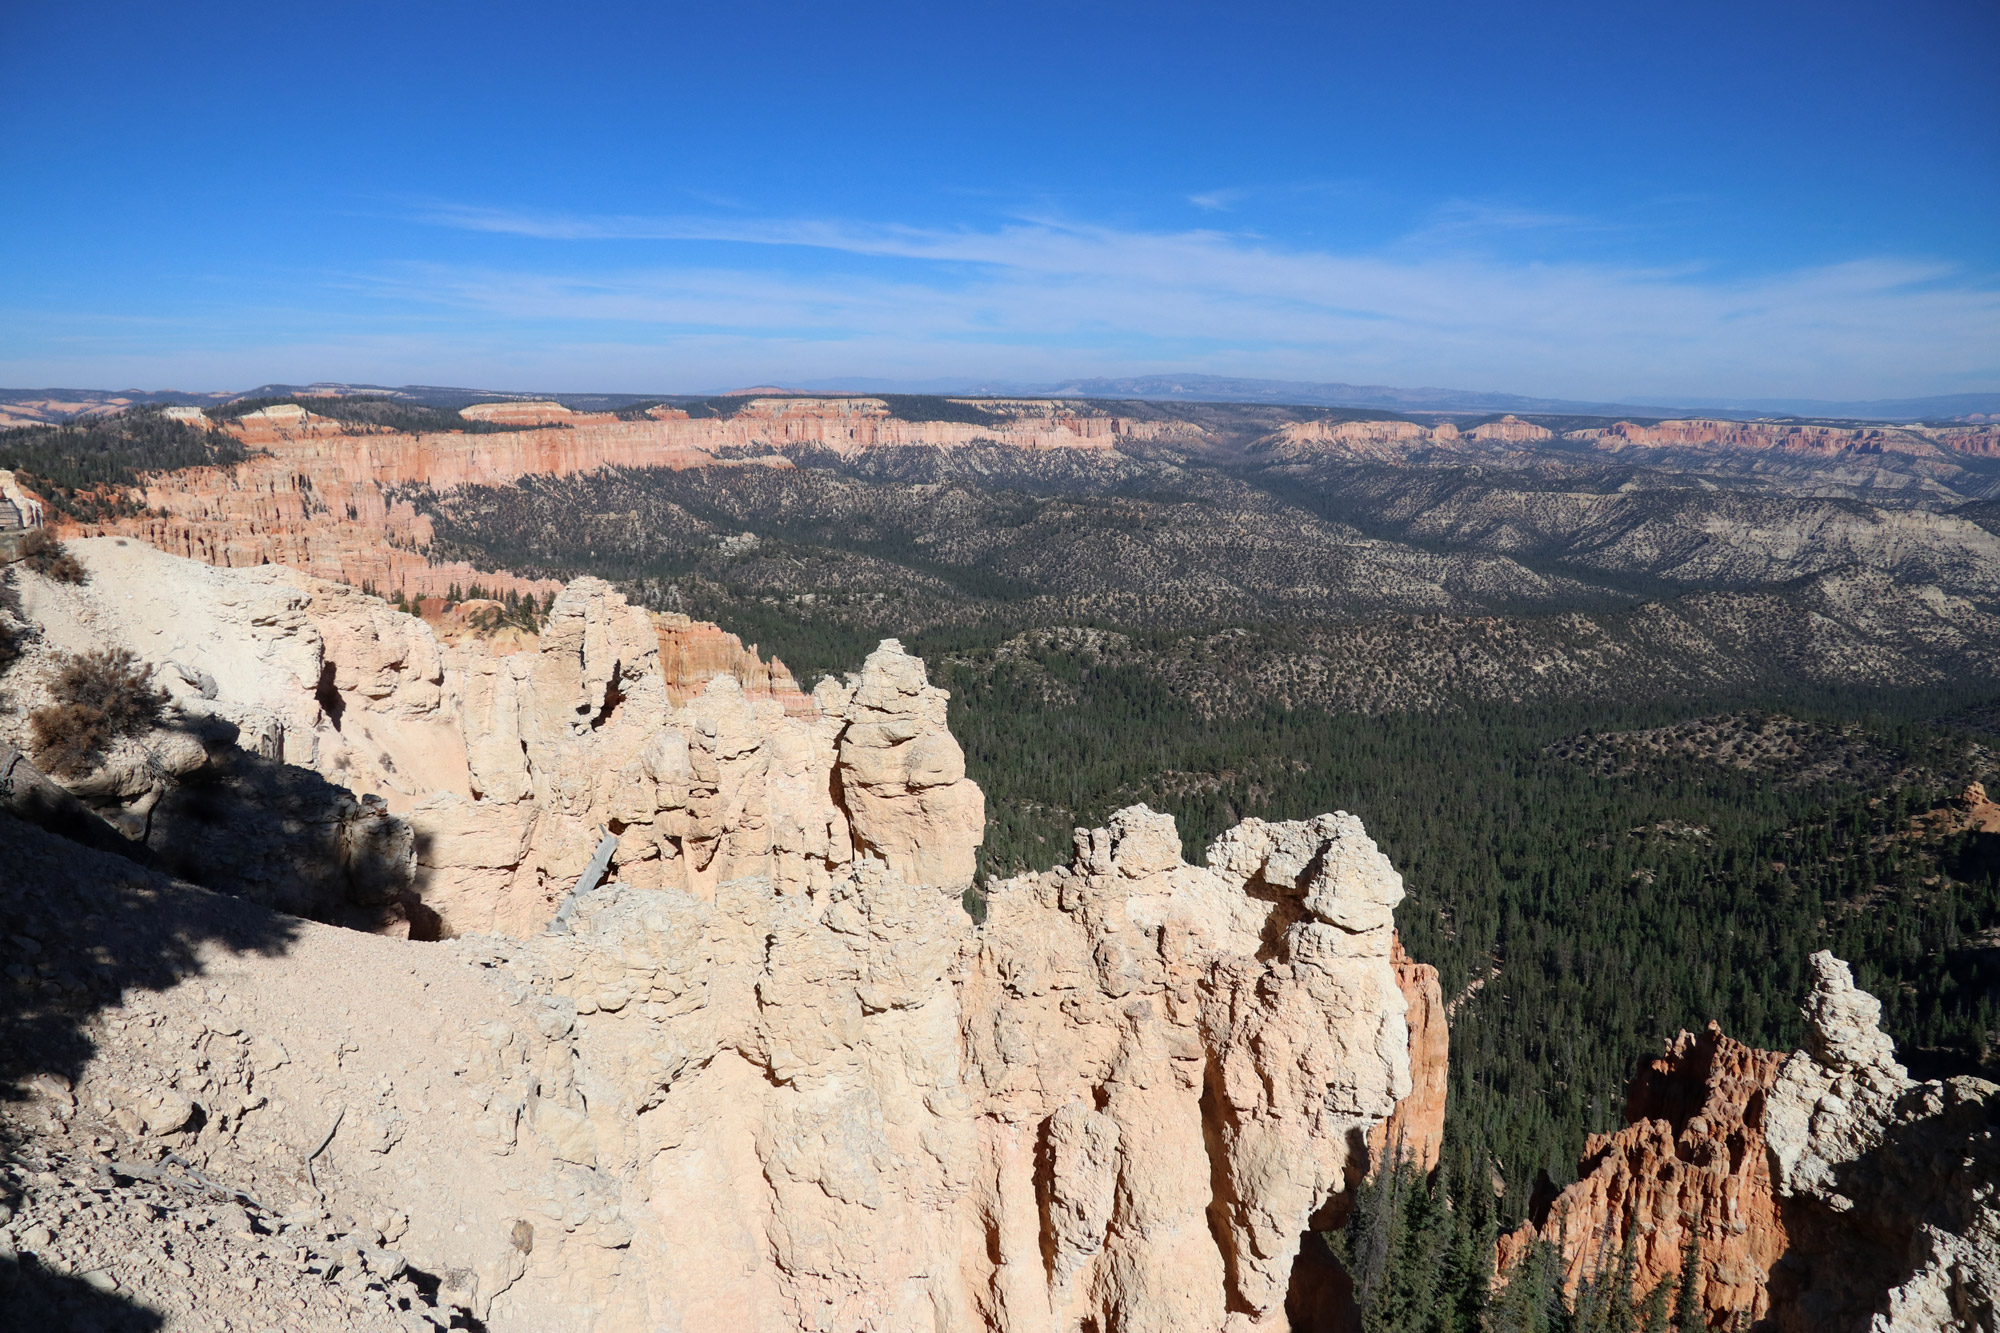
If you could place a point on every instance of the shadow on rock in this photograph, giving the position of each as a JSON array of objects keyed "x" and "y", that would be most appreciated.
[
  {"x": 79, "y": 928},
  {"x": 36, "y": 1297}
]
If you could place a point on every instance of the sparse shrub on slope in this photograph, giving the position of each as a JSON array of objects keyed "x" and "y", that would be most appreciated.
[
  {"x": 51, "y": 559},
  {"x": 99, "y": 696}
]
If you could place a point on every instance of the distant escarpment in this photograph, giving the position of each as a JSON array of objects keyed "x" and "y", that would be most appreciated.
[
  {"x": 319, "y": 492},
  {"x": 1834, "y": 459}
]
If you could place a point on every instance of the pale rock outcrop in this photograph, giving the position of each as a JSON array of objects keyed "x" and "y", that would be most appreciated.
[
  {"x": 507, "y": 767},
  {"x": 902, "y": 773},
  {"x": 1889, "y": 1185},
  {"x": 837, "y": 1106},
  {"x": 21, "y": 509},
  {"x": 1238, "y": 1025}
]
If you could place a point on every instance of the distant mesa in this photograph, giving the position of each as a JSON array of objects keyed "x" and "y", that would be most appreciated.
[{"x": 533, "y": 412}]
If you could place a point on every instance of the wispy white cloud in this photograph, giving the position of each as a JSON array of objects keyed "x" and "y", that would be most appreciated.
[
  {"x": 980, "y": 301},
  {"x": 1217, "y": 201},
  {"x": 730, "y": 298}
]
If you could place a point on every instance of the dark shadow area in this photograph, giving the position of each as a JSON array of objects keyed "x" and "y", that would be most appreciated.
[
  {"x": 238, "y": 822},
  {"x": 1838, "y": 1266},
  {"x": 34, "y": 1297},
  {"x": 328, "y": 695},
  {"x": 79, "y": 928},
  {"x": 1320, "y": 1298},
  {"x": 282, "y": 836},
  {"x": 429, "y": 1285}
]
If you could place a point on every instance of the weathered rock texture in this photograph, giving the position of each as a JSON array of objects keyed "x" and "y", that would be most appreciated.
[
  {"x": 1179, "y": 1063},
  {"x": 1691, "y": 1164},
  {"x": 507, "y": 767},
  {"x": 694, "y": 652},
  {"x": 829, "y": 1103},
  {"x": 1890, "y": 1188},
  {"x": 1828, "y": 1190}
]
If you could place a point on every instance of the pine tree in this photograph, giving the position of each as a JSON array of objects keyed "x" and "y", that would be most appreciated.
[
  {"x": 1532, "y": 1300},
  {"x": 1656, "y": 1311},
  {"x": 1688, "y": 1315}
]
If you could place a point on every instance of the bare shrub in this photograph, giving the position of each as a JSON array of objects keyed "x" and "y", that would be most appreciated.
[
  {"x": 99, "y": 697},
  {"x": 51, "y": 559}
]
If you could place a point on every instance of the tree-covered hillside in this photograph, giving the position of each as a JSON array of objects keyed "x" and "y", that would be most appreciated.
[{"x": 77, "y": 467}]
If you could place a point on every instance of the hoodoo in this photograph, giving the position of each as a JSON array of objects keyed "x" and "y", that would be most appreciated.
[{"x": 771, "y": 1075}]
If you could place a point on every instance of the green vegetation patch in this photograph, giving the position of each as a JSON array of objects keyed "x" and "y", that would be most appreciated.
[
  {"x": 79, "y": 467},
  {"x": 389, "y": 414}
]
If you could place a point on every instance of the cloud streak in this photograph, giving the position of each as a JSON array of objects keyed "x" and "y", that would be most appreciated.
[
  {"x": 1043, "y": 292},
  {"x": 555, "y": 300}
]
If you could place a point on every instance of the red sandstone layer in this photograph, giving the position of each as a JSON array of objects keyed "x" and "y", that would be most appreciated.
[{"x": 694, "y": 652}]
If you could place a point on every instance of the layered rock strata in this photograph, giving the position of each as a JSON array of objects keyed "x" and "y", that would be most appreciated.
[
  {"x": 694, "y": 652},
  {"x": 1392, "y": 440},
  {"x": 321, "y": 494}
]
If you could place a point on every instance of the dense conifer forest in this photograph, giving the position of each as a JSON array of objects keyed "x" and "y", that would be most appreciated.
[
  {"x": 1582, "y": 918},
  {"x": 74, "y": 466}
]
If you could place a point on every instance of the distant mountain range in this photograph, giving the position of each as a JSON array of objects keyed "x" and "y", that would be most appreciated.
[
  {"x": 1309, "y": 393},
  {"x": 61, "y": 404}
]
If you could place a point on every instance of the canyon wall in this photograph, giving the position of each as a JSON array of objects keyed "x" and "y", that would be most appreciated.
[{"x": 318, "y": 494}]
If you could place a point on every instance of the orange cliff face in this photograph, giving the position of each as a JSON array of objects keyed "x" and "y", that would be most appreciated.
[
  {"x": 317, "y": 495},
  {"x": 694, "y": 652},
  {"x": 1416, "y": 1129},
  {"x": 1691, "y": 1161}
]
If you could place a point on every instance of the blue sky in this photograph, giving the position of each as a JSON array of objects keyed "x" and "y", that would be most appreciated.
[{"x": 1593, "y": 200}]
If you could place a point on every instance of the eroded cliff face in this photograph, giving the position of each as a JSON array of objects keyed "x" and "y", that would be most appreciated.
[
  {"x": 320, "y": 494},
  {"x": 1691, "y": 1167},
  {"x": 1827, "y": 1189},
  {"x": 1889, "y": 1186},
  {"x": 824, "y": 1101},
  {"x": 508, "y": 767}
]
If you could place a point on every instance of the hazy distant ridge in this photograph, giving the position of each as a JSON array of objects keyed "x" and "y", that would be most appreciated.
[{"x": 1173, "y": 388}]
